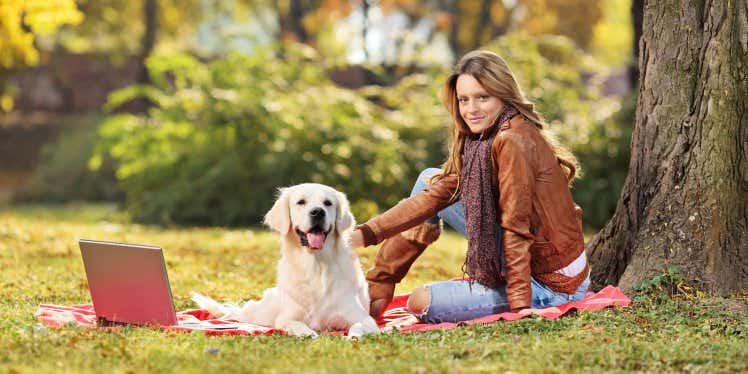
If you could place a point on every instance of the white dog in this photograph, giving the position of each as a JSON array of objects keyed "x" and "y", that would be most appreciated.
[{"x": 320, "y": 284}]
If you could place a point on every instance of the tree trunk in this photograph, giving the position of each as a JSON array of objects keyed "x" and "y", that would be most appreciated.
[
  {"x": 147, "y": 42},
  {"x": 365, "y": 28},
  {"x": 296, "y": 13},
  {"x": 454, "y": 41},
  {"x": 482, "y": 25},
  {"x": 637, "y": 16},
  {"x": 684, "y": 200},
  {"x": 150, "y": 20}
]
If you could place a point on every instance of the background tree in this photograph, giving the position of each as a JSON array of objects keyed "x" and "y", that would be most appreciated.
[
  {"x": 21, "y": 21},
  {"x": 147, "y": 43},
  {"x": 684, "y": 201},
  {"x": 395, "y": 82},
  {"x": 121, "y": 28},
  {"x": 466, "y": 25},
  {"x": 291, "y": 17},
  {"x": 637, "y": 14}
]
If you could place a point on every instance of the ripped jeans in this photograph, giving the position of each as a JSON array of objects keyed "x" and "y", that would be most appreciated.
[{"x": 457, "y": 300}]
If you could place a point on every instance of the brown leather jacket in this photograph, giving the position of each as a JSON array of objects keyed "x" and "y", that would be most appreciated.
[{"x": 542, "y": 224}]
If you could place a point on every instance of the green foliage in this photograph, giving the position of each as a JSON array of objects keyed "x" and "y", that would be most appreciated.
[
  {"x": 605, "y": 158},
  {"x": 223, "y": 135},
  {"x": 63, "y": 173},
  {"x": 612, "y": 37},
  {"x": 115, "y": 27},
  {"x": 668, "y": 285},
  {"x": 667, "y": 281},
  {"x": 573, "y": 19},
  {"x": 21, "y": 21}
]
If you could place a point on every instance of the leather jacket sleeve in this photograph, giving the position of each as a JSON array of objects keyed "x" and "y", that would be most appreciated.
[
  {"x": 516, "y": 180},
  {"x": 411, "y": 212}
]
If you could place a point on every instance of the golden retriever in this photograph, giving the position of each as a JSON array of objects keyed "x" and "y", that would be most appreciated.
[{"x": 320, "y": 284}]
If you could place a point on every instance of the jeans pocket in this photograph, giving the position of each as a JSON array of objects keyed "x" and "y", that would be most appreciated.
[{"x": 543, "y": 297}]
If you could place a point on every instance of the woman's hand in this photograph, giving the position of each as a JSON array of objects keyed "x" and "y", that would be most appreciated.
[{"x": 357, "y": 239}]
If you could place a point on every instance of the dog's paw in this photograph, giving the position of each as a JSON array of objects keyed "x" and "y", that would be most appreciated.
[
  {"x": 360, "y": 329},
  {"x": 300, "y": 330}
]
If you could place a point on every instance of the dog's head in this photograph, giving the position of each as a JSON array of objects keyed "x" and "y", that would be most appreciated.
[{"x": 312, "y": 212}]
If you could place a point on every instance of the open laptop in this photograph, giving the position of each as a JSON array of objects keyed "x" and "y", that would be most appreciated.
[{"x": 128, "y": 283}]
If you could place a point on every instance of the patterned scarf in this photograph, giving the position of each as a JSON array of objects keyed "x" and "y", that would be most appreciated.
[{"x": 480, "y": 198}]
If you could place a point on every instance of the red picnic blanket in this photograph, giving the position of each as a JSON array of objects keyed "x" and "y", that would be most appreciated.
[{"x": 395, "y": 316}]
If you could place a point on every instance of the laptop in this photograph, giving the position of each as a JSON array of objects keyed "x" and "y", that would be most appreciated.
[{"x": 128, "y": 283}]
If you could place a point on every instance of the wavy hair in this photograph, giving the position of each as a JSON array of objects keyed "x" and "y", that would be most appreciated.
[{"x": 493, "y": 73}]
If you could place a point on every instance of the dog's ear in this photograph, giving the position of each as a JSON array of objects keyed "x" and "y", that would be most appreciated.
[
  {"x": 344, "y": 218},
  {"x": 279, "y": 216}
]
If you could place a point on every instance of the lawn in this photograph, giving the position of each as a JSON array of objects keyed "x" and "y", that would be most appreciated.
[{"x": 41, "y": 263}]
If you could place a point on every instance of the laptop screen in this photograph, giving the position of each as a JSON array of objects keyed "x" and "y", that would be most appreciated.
[{"x": 128, "y": 283}]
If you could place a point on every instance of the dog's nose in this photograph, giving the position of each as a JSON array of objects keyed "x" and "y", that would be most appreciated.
[{"x": 317, "y": 213}]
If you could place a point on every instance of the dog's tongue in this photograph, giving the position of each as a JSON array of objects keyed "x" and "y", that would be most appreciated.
[{"x": 316, "y": 239}]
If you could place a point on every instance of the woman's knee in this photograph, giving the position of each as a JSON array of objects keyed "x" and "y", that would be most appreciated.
[
  {"x": 423, "y": 179},
  {"x": 419, "y": 301}
]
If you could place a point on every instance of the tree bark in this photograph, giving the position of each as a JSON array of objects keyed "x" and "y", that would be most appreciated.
[
  {"x": 684, "y": 200},
  {"x": 637, "y": 16},
  {"x": 454, "y": 41},
  {"x": 296, "y": 13},
  {"x": 147, "y": 43},
  {"x": 150, "y": 20},
  {"x": 482, "y": 25},
  {"x": 365, "y": 28}
]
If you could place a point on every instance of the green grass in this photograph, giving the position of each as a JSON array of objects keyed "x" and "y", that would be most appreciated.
[{"x": 41, "y": 263}]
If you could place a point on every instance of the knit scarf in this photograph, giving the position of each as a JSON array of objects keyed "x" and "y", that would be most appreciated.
[{"x": 479, "y": 197}]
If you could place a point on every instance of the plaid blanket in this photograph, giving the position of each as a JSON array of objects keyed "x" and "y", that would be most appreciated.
[{"x": 395, "y": 317}]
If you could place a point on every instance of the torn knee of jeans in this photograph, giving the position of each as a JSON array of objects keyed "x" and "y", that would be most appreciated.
[{"x": 419, "y": 301}]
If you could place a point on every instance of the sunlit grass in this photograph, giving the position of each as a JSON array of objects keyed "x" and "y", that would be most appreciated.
[{"x": 40, "y": 263}]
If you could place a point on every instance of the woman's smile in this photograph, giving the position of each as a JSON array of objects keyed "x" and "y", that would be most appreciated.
[{"x": 478, "y": 108}]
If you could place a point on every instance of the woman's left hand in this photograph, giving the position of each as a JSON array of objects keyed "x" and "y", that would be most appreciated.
[{"x": 356, "y": 239}]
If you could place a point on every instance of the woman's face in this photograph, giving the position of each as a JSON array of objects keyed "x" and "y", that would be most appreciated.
[{"x": 477, "y": 107}]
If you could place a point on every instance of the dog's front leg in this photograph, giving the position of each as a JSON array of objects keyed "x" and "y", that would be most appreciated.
[
  {"x": 288, "y": 321},
  {"x": 362, "y": 328},
  {"x": 296, "y": 328},
  {"x": 361, "y": 323}
]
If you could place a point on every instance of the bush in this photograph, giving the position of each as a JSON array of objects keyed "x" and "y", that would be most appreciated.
[
  {"x": 63, "y": 173},
  {"x": 223, "y": 135}
]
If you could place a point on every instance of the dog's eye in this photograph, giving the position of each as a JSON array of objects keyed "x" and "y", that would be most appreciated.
[
  {"x": 301, "y": 202},
  {"x": 327, "y": 203}
]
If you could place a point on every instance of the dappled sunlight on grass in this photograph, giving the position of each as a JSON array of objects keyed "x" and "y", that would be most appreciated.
[{"x": 41, "y": 264}]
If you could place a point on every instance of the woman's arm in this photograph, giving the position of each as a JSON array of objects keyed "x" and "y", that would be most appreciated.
[
  {"x": 516, "y": 180},
  {"x": 407, "y": 213}
]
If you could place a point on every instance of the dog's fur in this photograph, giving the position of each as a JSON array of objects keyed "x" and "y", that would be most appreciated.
[{"x": 316, "y": 289}]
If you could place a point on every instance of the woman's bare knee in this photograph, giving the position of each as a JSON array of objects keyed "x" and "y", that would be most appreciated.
[{"x": 419, "y": 300}]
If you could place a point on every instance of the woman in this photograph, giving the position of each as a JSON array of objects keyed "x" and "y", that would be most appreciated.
[{"x": 505, "y": 186}]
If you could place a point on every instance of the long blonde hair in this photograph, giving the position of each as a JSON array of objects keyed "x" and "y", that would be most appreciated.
[{"x": 492, "y": 72}]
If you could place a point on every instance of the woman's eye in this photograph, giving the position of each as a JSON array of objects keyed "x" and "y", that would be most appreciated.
[
  {"x": 483, "y": 97},
  {"x": 327, "y": 202},
  {"x": 462, "y": 100},
  {"x": 301, "y": 202}
]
